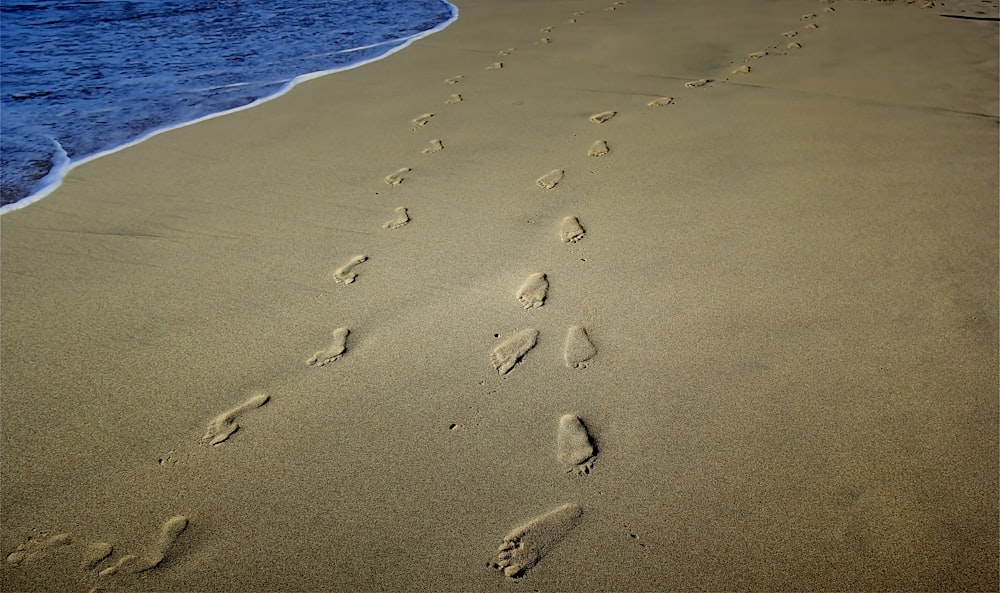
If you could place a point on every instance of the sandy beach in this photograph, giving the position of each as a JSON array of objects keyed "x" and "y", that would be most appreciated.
[{"x": 569, "y": 296}]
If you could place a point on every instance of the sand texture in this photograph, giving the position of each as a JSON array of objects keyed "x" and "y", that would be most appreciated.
[{"x": 659, "y": 322}]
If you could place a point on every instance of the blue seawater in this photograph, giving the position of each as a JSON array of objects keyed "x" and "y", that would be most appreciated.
[{"x": 80, "y": 78}]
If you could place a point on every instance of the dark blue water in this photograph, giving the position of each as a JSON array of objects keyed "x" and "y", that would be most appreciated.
[{"x": 82, "y": 77}]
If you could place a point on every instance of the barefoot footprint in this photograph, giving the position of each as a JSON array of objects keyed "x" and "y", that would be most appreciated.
[
  {"x": 397, "y": 177},
  {"x": 570, "y": 230},
  {"x": 598, "y": 149},
  {"x": 156, "y": 554},
  {"x": 224, "y": 425},
  {"x": 550, "y": 179},
  {"x": 600, "y": 118},
  {"x": 574, "y": 446},
  {"x": 532, "y": 292},
  {"x": 661, "y": 102},
  {"x": 332, "y": 352},
  {"x": 696, "y": 83},
  {"x": 454, "y": 98},
  {"x": 579, "y": 349},
  {"x": 433, "y": 146},
  {"x": 345, "y": 274},
  {"x": 525, "y": 546},
  {"x": 454, "y": 79},
  {"x": 401, "y": 220},
  {"x": 421, "y": 120},
  {"x": 511, "y": 350}
]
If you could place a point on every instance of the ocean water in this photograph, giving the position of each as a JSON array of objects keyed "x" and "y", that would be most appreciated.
[{"x": 80, "y": 78}]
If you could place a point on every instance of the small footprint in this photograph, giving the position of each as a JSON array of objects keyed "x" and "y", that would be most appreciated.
[
  {"x": 332, "y": 352},
  {"x": 572, "y": 21},
  {"x": 661, "y": 102},
  {"x": 550, "y": 179},
  {"x": 511, "y": 350},
  {"x": 574, "y": 446},
  {"x": 37, "y": 548},
  {"x": 397, "y": 177},
  {"x": 579, "y": 349},
  {"x": 545, "y": 40},
  {"x": 546, "y": 29},
  {"x": 598, "y": 149},
  {"x": 794, "y": 45},
  {"x": 790, "y": 34},
  {"x": 433, "y": 146},
  {"x": 495, "y": 66},
  {"x": 345, "y": 274},
  {"x": 224, "y": 425},
  {"x": 422, "y": 119},
  {"x": 454, "y": 79},
  {"x": 696, "y": 83},
  {"x": 532, "y": 292},
  {"x": 526, "y": 545},
  {"x": 508, "y": 51},
  {"x": 808, "y": 16},
  {"x": 757, "y": 55},
  {"x": 600, "y": 118},
  {"x": 744, "y": 69},
  {"x": 454, "y": 98},
  {"x": 570, "y": 230},
  {"x": 812, "y": 26},
  {"x": 96, "y": 553},
  {"x": 402, "y": 218}
]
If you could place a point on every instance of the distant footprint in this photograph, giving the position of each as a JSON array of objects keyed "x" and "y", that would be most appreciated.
[
  {"x": 401, "y": 220},
  {"x": 570, "y": 230},
  {"x": 454, "y": 98},
  {"x": 600, "y": 118},
  {"x": 790, "y": 34},
  {"x": 532, "y": 292},
  {"x": 794, "y": 45},
  {"x": 511, "y": 350},
  {"x": 37, "y": 548},
  {"x": 508, "y": 51},
  {"x": 598, "y": 149},
  {"x": 332, "y": 352},
  {"x": 454, "y": 79},
  {"x": 526, "y": 545},
  {"x": 550, "y": 179},
  {"x": 574, "y": 446},
  {"x": 421, "y": 120},
  {"x": 345, "y": 274},
  {"x": 545, "y": 41},
  {"x": 224, "y": 425},
  {"x": 661, "y": 102},
  {"x": 744, "y": 69},
  {"x": 812, "y": 26},
  {"x": 495, "y": 66},
  {"x": 546, "y": 29},
  {"x": 696, "y": 83},
  {"x": 757, "y": 55},
  {"x": 397, "y": 177},
  {"x": 579, "y": 349},
  {"x": 432, "y": 147}
]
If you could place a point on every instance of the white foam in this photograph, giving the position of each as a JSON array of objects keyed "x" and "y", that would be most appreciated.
[{"x": 64, "y": 165}]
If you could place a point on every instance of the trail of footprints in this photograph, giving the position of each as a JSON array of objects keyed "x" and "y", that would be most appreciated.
[{"x": 575, "y": 447}]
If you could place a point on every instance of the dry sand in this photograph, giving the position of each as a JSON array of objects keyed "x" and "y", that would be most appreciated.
[{"x": 787, "y": 276}]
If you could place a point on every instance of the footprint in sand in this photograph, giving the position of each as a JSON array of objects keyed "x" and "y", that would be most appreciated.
[
  {"x": 454, "y": 79},
  {"x": 545, "y": 40},
  {"x": 661, "y": 102},
  {"x": 397, "y": 177},
  {"x": 511, "y": 350},
  {"x": 757, "y": 55},
  {"x": 495, "y": 66},
  {"x": 696, "y": 83},
  {"x": 794, "y": 45},
  {"x": 570, "y": 230},
  {"x": 508, "y": 51},
  {"x": 579, "y": 349},
  {"x": 34, "y": 549},
  {"x": 812, "y": 26},
  {"x": 574, "y": 446},
  {"x": 454, "y": 98},
  {"x": 571, "y": 21},
  {"x": 550, "y": 179},
  {"x": 422, "y": 119},
  {"x": 790, "y": 34},
  {"x": 224, "y": 425},
  {"x": 96, "y": 553},
  {"x": 433, "y": 146},
  {"x": 532, "y": 292},
  {"x": 401, "y": 220},
  {"x": 345, "y": 274},
  {"x": 598, "y": 148},
  {"x": 547, "y": 29},
  {"x": 156, "y": 554},
  {"x": 332, "y": 352},
  {"x": 526, "y": 545},
  {"x": 808, "y": 16},
  {"x": 600, "y": 118},
  {"x": 744, "y": 69}
]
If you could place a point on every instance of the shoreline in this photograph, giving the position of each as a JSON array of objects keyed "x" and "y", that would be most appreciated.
[
  {"x": 64, "y": 165},
  {"x": 565, "y": 323}
]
